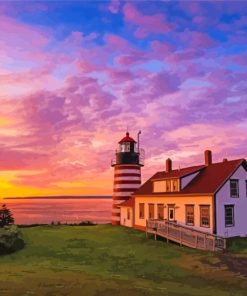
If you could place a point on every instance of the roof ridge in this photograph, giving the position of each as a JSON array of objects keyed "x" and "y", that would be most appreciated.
[{"x": 193, "y": 166}]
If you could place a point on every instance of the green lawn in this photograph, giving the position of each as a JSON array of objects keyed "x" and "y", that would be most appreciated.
[{"x": 106, "y": 260}]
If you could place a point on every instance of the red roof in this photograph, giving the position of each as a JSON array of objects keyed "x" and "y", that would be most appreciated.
[
  {"x": 128, "y": 203},
  {"x": 208, "y": 181},
  {"x": 213, "y": 177},
  {"x": 127, "y": 138},
  {"x": 178, "y": 173}
]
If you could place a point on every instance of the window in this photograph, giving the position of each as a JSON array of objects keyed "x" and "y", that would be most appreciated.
[
  {"x": 160, "y": 211},
  {"x": 229, "y": 215},
  {"x": 159, "y": 186},
  {"x": 189, "y": 215},
  {"x": 128, "y": 213},
  {"x": 151, "y": 211},
  {"x": 135, "y": 148},
  {"x": 125, "y": 147},
  {"x": 204, "y": 216},
  {"x": 141, "y": 210},
  {"x": 171, "y": 213},
  {"x": 234, "y": 188},
  {"x": 168, "y": 185},
  {"x": 175, "y": 185}
]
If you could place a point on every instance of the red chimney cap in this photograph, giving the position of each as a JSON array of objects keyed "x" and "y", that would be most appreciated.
[{"x": 127, "y": 138}]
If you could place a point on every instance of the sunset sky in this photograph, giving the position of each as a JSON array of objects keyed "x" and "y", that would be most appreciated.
[{"x": 74, "y": 75}]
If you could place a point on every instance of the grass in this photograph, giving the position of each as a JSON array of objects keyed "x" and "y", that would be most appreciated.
[
  {"x": 238, "y": 246},
  {"x": 104, "y": 260}
]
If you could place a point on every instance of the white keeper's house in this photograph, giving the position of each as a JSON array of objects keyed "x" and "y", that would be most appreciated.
[{"x": 210, "y": 197}]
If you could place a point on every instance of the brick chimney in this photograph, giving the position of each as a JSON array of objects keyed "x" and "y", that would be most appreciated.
[
  {"x": 225, "y": 159},
  {"x": 208, "y": 157},
  {"x": 168, "y": 165}
]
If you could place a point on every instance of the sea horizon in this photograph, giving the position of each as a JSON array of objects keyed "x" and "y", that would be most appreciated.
[
  {"x": 60, "y": 197},
  {"x": 65, "y": 209}
]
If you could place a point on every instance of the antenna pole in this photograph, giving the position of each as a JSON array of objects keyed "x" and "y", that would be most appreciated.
[{"x": 138, "y": 141}]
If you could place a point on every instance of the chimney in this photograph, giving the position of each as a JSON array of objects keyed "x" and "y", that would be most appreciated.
[
  {"x": 225, "y": 159},
  {"x": 168, "y": 165},
  {"x": 208, "y": 157}
]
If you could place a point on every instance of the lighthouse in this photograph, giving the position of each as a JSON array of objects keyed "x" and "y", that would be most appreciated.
[{"x": 127, "y": 163}]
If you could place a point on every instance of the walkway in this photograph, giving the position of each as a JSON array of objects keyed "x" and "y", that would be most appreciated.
[{"x": 185, "y": 235}]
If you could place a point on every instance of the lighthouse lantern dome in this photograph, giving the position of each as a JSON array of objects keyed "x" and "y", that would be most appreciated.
[{"x": 127, "y": 144}]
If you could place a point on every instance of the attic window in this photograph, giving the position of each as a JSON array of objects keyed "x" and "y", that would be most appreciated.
[
  {"x": 168, "y": 185},
  {"x": 175, "y": 185},
  {"x": 159, "y": 186}
]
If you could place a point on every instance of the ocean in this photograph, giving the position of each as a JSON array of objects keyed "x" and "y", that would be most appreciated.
[{"x": 70, "y": 209}]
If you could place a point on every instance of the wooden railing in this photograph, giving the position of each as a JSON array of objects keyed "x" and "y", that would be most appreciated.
[{"x": 185, "y": 235}]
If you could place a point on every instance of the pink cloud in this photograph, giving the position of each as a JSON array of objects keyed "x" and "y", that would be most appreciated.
[
  {"x": 130, "y": 59},
  {"x": 14, "y": 159},
  {"x": 117, "y": 41},
  {"x": 147, "y": 24},
  {"x": 164, "y": 83},
  {"x": 242, "y": 21},
  {"x": 191, "y": 8},
  {"x": 114, "y": 6},
  {"x": 76, "y": 38},
  {"x": 161, "y": 49},
  {"x": 197, "y": 40},
  {"x": 179, "y": 58},
  {"x": 16, "y": 8},
  {"x": 77, "y": 99},
  {"x": 120, "y": 75},
  {"x": 202, "y": 40},
  {"x": 12, "y": 32},
  {"x": 199, "y": 20}
]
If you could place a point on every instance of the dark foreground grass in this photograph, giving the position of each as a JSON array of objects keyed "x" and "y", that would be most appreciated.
[{"x": 106, "y": 260}]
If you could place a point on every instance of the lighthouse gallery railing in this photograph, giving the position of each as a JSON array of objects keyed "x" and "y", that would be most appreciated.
[{"x": 141, "y": 156}]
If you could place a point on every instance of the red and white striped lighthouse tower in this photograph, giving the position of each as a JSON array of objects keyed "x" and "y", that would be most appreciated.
[{"x": 129, "y": 159}]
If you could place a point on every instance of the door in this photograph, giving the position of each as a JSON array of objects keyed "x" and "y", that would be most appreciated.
[{"x": 171, "y": 213}]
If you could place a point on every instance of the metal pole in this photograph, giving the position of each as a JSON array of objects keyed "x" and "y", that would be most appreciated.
[{"x": 138, "y": 141}]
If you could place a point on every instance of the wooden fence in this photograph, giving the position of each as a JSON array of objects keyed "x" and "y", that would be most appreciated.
[{"x": 185, "y": 235}]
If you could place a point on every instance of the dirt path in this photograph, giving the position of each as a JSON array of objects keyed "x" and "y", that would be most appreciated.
[{"x": 233, "y": 263}]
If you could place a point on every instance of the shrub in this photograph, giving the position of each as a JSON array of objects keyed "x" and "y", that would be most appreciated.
[
  {"x": 10, "y": 239},
  {"x": 86, "y": 223}
]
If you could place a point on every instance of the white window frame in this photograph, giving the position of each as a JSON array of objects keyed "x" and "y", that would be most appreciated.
[
  {"x": 237, "y": 188},
  {"x": 173, "y": 210},
  {"x": 233, "y": 221}
]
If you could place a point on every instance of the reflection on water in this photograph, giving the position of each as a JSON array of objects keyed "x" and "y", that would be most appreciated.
[{"x": 32, "y": 211}]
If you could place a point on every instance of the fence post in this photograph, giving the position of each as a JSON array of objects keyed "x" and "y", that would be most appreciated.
[
  {"x": 224, "y": 244},
  {"x": 180, "y": 236},
  {"x": 205, "y": 242},
  {"x": 167, "y": 240}
]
